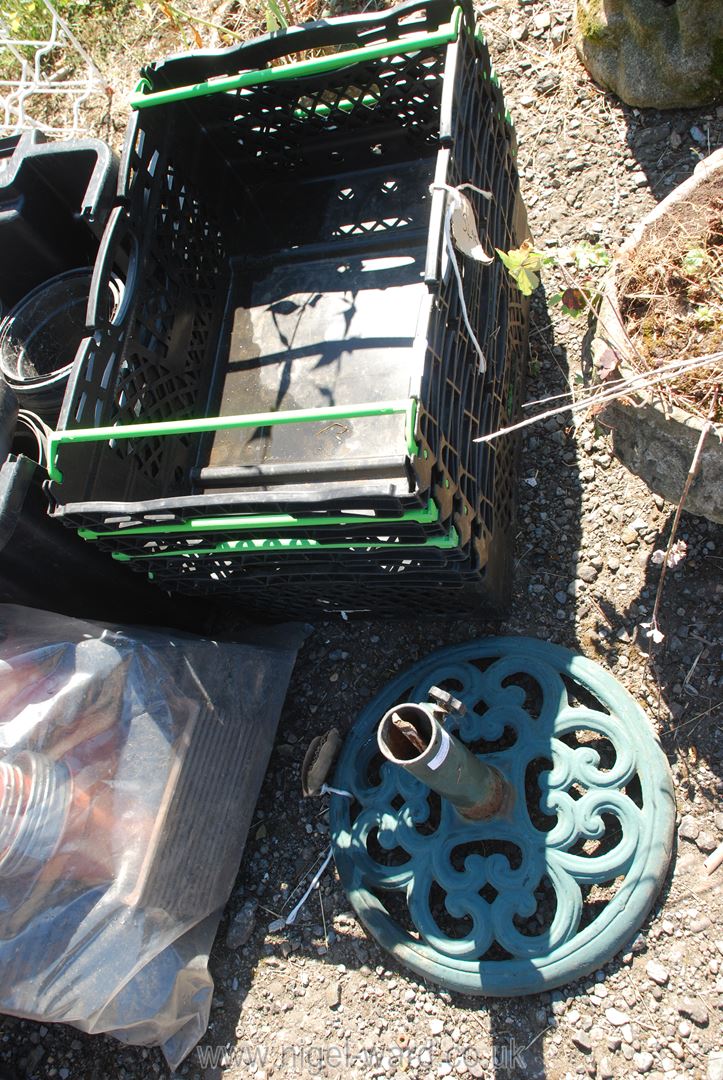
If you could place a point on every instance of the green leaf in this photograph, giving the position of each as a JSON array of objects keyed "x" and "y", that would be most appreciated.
[
  {"x": 275, "y": 18},
  {"x": 705, "y": 316},
  {"x": 527, "y": 281},
  {"x": 523, "y": 265},
  {"x": 694, "y": 260},
  {"x": 586, "y": 255}
]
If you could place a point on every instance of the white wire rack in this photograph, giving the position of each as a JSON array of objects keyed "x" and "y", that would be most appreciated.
[{"x": 46, "y": 83}]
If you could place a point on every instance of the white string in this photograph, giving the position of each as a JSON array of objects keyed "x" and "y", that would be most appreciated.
[
  {"x": 451, "y": 189},
  {"x": 39, "y": 429},
  {"x": 326, "y": 790},
  {"x": 291, "y": 917},
  {"x": 453, "y": 203}
]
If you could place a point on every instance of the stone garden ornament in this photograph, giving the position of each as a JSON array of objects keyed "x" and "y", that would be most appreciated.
[{"x": 661, "y": 54}]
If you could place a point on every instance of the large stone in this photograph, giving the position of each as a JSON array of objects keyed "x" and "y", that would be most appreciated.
[{"x": 653, "y": 53}]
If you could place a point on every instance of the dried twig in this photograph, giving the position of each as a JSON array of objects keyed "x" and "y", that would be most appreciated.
[
  {"x": 692, "y": 472},
  {"x": 620, "y": 388}
]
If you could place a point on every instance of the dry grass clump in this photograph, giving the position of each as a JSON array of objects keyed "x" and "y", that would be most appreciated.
[
  {"x": 671, "y": 297},
  {"x": 251, "y": 17}
]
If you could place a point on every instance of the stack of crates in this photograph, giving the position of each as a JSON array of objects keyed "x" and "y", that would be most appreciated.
[{"x": 284, "y": 409}]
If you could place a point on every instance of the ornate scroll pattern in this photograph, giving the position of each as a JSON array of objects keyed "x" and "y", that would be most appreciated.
[{"x": 503, "y": 906}]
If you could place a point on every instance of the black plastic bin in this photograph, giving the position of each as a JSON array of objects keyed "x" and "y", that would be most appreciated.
[
  {"x": 290, "y": 301},
  {"x": 54, "y": 202}
]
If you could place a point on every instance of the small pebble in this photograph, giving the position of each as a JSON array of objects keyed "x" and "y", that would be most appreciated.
[
  {"x": 688, "y": 828},
  {"x": 694, "y": 1010},
  {"x": 657, "y": 972},
  {"x": 706, "y": 841},
  {"x": 242, "y": 925},
  {"x": 604, "y": 1069},
  {"x": 643, "y": 1061},
  {"x": 715, "y": 1065}
]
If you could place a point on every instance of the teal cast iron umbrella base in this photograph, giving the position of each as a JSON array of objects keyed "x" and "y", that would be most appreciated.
[{"x": 560, "y": 880}]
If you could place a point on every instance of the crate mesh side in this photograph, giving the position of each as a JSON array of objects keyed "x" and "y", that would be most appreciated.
[
  {"x": 461, "y": 402},
  {"x": 337, "y": 118},
  {"x": 154, "y": 366},
  {"x": 279, "y": 598}
]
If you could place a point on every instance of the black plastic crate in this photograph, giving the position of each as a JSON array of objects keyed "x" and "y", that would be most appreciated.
[
  {"x": 304, "y": 556},
  {"x": 282, "y": 251},
  {"x": 415, "y": 526}
]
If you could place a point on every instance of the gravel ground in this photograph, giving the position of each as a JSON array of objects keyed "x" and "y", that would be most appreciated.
[{"x": 320, "y": 998}]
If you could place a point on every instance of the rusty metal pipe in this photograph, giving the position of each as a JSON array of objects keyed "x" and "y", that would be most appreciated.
[{"x": 410, "y": 735}]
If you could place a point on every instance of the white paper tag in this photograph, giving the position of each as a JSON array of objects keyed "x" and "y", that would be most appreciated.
[
  {"x": 441, "y": 756},
  {"x": 464, "y": 229}
]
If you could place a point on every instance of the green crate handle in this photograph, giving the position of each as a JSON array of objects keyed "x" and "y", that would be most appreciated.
[
  {"x": 56, "y": 439},
  {"x": 241, "y": 522},
  {"x": 141, "y": 99},
  {"x": 286, "y": 544}
]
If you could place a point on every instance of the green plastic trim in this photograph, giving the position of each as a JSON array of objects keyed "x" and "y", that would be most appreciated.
[
  {"x": 237, "y": 547},
  {"x": 317, "y": 66},
  {"x": 241, "y": 522},
  {"x": 56, "y": 439}
]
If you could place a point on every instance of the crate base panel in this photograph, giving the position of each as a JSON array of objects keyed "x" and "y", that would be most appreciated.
[{"x": 346, "y": 338}]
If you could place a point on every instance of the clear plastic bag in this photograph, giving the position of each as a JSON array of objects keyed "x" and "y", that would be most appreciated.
[{"x": 130, "y": 765}]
